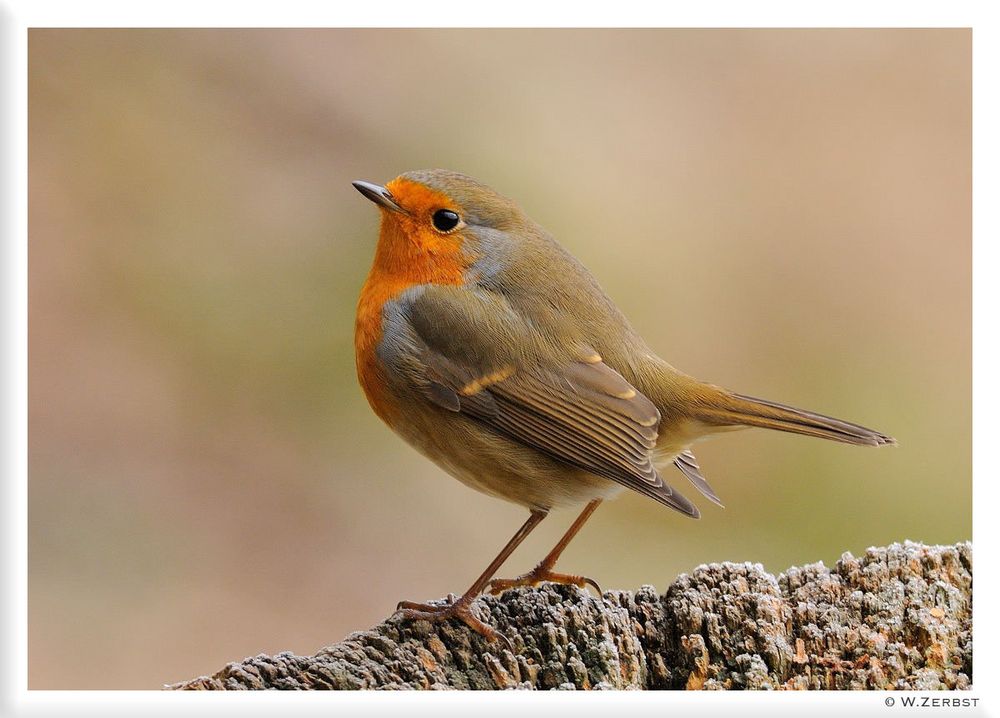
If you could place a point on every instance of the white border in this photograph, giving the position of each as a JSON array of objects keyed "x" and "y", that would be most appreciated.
[
  {"x": 17, "y": 16},
  {"x": 14, "y": 393},
  {"x": 511, "y": 13}
]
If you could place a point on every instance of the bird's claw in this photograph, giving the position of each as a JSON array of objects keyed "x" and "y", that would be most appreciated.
[
  {"x": 449, "y": 601},
  {"x": 459, "y": 609},
  {"x": 542, "y": 574}
]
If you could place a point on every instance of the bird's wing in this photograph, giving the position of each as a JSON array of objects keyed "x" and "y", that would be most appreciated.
[
  {"x": 688, "y": 465},
  {"x": 475, "y": 356}
]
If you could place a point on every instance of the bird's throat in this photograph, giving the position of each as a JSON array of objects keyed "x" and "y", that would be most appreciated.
[{"x": 405, "y": 257}]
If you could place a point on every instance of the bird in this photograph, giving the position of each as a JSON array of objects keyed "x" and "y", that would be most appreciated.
[{"x": 484, "y": 344}]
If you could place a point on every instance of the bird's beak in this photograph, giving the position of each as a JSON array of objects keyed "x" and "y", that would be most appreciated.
[{"x": 379, "y": 195}]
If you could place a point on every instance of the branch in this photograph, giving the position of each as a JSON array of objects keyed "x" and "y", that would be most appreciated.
[{"x": 897, "y": 617}]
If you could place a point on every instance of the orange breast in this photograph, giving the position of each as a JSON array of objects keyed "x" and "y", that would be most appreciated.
[
  {"x": 407, "y": 255},
  {"x": 377, "y": 291}
]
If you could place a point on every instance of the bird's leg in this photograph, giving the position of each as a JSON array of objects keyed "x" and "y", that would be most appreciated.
[
  {"x": 461, "y": 608},
  {"x": 543, "y": 571}
]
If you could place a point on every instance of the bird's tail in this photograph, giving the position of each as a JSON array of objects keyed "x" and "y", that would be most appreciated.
[{"x": 718, "y": 407}]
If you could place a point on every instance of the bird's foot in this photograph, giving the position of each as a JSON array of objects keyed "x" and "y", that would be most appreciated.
[
  {"x": 460, "y": 609},
  {"x": 540, "y": 574}
]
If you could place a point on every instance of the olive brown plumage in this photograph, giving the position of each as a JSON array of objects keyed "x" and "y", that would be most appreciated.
[{"x": 493, "y": 351}]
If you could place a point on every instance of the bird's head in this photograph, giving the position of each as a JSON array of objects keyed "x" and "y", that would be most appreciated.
[{"x": 440, "y": 215}]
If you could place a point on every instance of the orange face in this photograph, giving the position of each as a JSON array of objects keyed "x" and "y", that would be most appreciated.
[
  {"x": 419, "y": 244},
  {"x": 430, "y": 218}
]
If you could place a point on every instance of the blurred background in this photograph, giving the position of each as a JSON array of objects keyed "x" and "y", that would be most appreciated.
[{"x": 786, "y": 213}]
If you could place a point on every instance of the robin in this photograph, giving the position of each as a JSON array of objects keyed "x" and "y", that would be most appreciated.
[{"x": 488, "y": 347}]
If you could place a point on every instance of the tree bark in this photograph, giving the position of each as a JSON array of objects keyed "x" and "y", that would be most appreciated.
[{"x": 898, "y": 617}]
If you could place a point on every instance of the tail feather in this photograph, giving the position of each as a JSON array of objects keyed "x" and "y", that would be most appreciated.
[{"x": 723, "y": 408}]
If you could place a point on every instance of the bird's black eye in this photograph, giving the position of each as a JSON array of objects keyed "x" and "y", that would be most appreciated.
[{"x": 445, "y": 220}]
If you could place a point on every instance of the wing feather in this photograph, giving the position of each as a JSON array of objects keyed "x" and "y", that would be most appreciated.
[
  {"x": 690, "y": 468},
  {"x": 575, "y": 409}
]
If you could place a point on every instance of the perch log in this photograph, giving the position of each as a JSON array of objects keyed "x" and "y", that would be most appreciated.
[{"x": 897, "y": 617}]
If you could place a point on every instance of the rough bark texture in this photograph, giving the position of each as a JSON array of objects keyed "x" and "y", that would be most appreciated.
[{"x": 897, "y": 617}]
